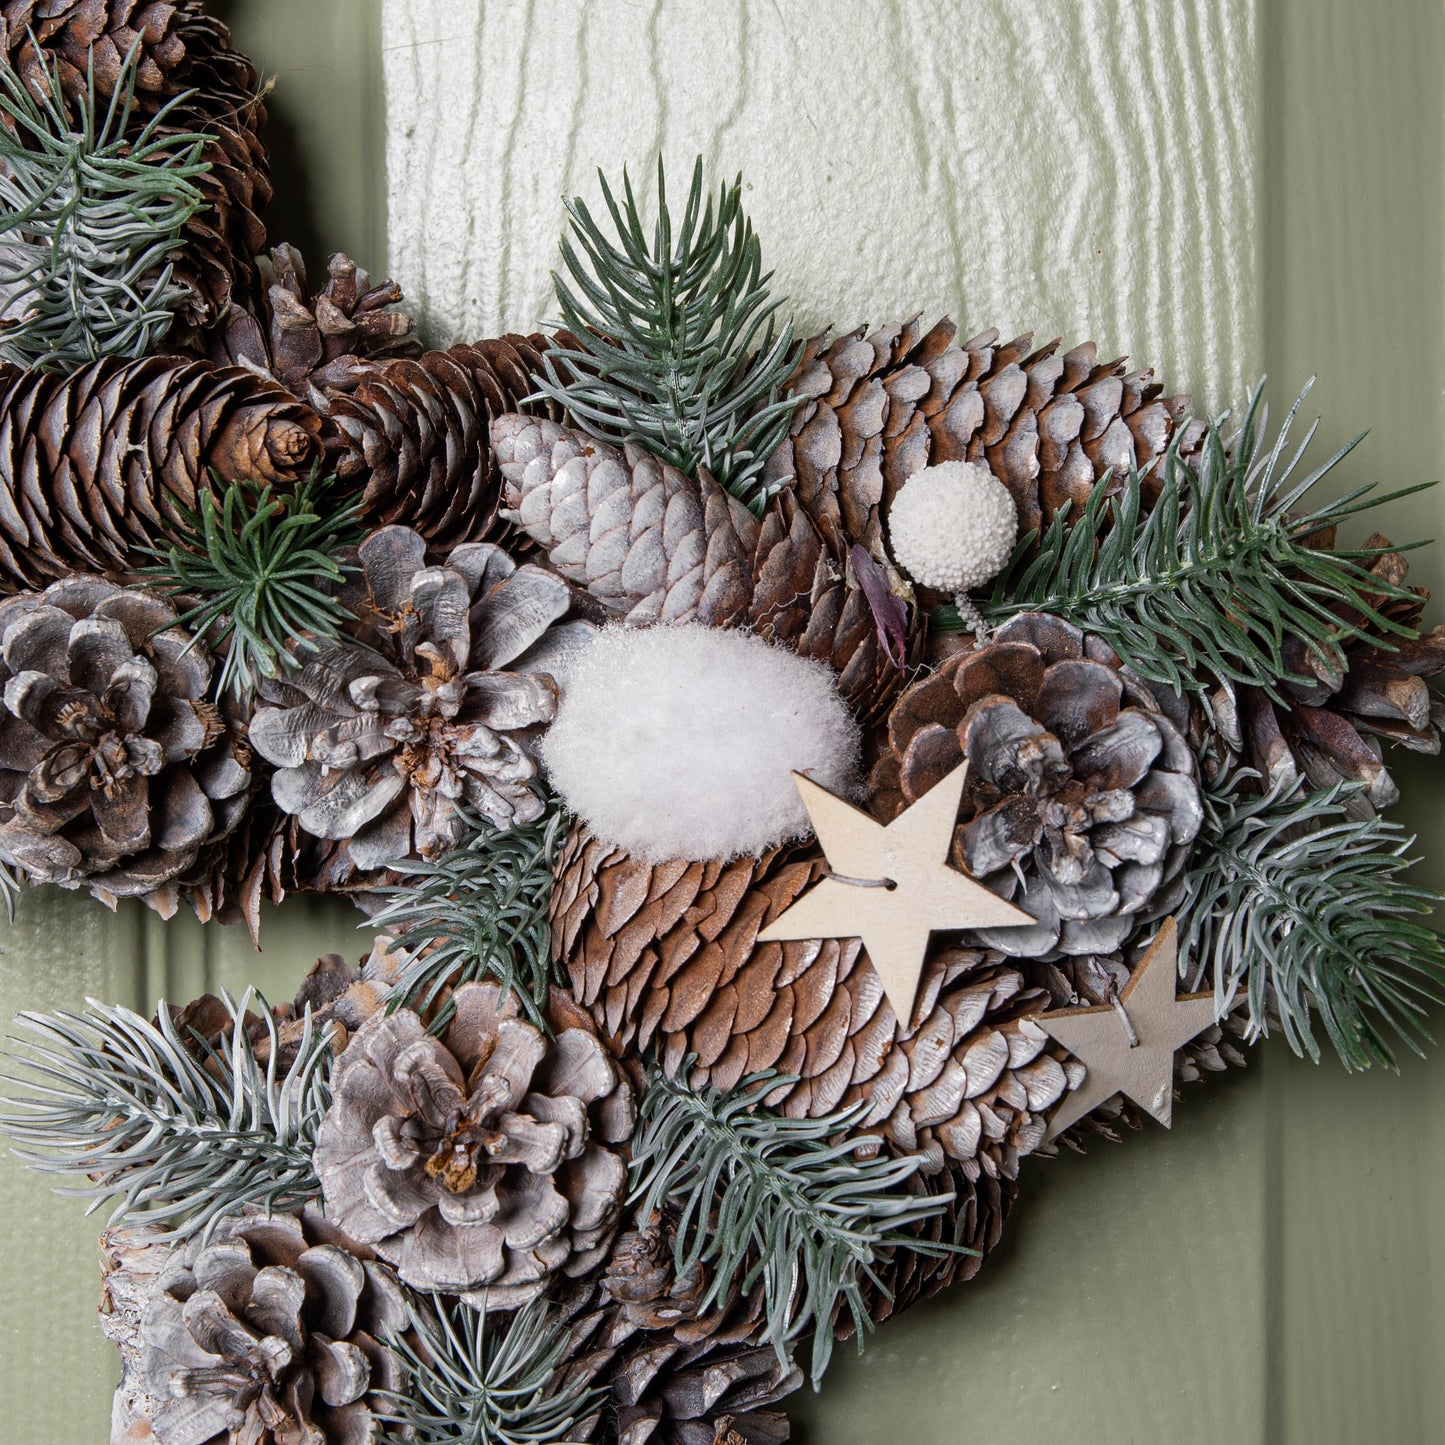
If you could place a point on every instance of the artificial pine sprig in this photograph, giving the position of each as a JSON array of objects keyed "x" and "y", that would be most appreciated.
[
  {"x": 675, "y": 347},
  {"x": 89, "y": 217},
  {"x": 788, "y": 1205},
  {"x": 265, "y": 566},
  {"x": 477, "y": 1381},
  {"x": 1306, "y": 913},
  {"x": 1207, "y": 587},
  {"x": 177, "y": 1133},
  {"x": 479, "y": 911}
]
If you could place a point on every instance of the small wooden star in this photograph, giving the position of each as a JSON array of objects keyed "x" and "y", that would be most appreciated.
[
  {"x": 1131, "y": 1054},
  {"x": 891, "y": 885}
]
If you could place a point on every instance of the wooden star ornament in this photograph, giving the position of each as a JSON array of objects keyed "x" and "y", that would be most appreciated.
[
  {"x": 1129, "y": 1048},
  {"x": 891, "y": 885}
]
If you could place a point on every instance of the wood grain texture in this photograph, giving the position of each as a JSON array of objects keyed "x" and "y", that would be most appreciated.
[{"x": 1078, "y": 170}]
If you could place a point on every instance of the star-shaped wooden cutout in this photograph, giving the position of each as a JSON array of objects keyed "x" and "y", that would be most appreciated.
[
  {"x": 891, "y": 886},
  {"x": 1141, "y": 1067}
]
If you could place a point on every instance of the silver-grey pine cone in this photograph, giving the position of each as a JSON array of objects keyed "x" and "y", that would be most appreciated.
[
  {"x": 115, "y": 769},
  {"x": 429, "y": 703},
  {"x": 484, "y": 1162},
  {"x": 270, "y": 1333},
  {"x": 1081, "y": 802}
]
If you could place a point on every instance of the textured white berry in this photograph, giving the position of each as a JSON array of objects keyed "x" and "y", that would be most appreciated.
[
  {"x": 953, "y": 526},
  {"x": 681, "y": 742}
]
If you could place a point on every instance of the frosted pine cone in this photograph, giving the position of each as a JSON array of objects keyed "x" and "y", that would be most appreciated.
[
  {"x": 428, "y": 704},
  {"x": 479, "y": 1163},
  {"x": 115, "y": 769}
]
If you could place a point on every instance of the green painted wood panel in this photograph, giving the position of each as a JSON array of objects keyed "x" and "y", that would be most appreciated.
[{"x": 1266, "y": 1273}]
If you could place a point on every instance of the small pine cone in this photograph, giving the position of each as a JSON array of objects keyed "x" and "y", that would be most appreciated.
[
  {"x": 664, "y": 956},
  {"x": 415, "y": 435},
  {"x": 116, "y": 769},
  {"x": 807, "y": 596},
  {"x": 648, "y": 542},
  {"x": 311, "y": 343},
  {"x": 183, "y": 52},
  {"x": 641, "y": 1278},
  {"x": 885, "y": 405},
  {"x": 1334, "y": 724},
  {"x": 96, "y": 466}
]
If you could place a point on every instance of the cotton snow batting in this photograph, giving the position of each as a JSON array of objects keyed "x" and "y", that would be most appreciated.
[{"x": 681, "y": 742}]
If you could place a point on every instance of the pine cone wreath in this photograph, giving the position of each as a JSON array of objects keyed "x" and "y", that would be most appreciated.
[
  {"x": 313, "y": 342},
  {"x": 881, "y": 406},
  {"x": 648, "y": 542},
  {"x": 1081, "y": 802},
  {"x": 1331, "y": 726},
  {"x": 414, "y": 434},
  {"x": 378, "y": 737},
  {"x": 183, "y": 52},
  {"x": 115, "y": 768},
  {"x": 271, "y": 1330},
  {"x": 482, "y": 1163},
  {"x": 97, "y": 466}
]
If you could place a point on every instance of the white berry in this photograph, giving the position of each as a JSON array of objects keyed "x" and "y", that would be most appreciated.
[{"x": 953, "y": 526}]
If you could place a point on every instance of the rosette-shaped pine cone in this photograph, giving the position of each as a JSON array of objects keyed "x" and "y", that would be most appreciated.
[
  {"x": 1332, "y": 725},
  {"x": 648, "y": 542},
  {"x": 313, "y": 342},
  {"x": 115, "y": 769},
  {"x": 270, "y": 1333},
  {"x": 414, "y": 434},
  {"x": 883, "y": 406},
  {"x": 427, "y": 705},
  {"x": 481, "y": 1163},
  {"x": 665, "y": 958},
  {"x": 1081, "y": 801}
]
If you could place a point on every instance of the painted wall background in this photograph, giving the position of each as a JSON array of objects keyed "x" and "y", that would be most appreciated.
[{"x": 1217, "y": 189}]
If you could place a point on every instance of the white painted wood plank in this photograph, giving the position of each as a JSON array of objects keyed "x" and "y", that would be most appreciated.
[{"x": 1084, "y": 169}]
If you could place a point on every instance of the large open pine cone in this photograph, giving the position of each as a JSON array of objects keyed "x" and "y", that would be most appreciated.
[
  {"x": 482, "y": 1163},
  {"x": 378, "y": 737},
  {"x": 886, "y": 404},
  {"x": 1081, "y": 802},
  {"x": 98, "y": 465},
  {"x": 270, "y": 1331},
  {"x": 115, "y": 769},
  {"x": 1331, "y": 726}
]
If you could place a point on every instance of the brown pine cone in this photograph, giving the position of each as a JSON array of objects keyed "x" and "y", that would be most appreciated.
[
  {"x": 96, "y": 466},
  {"x": 312, "y": 343},
  {"x": 664, "y": 956},
  {"x": 414, "y": 434},
  {"x": 1333, "y": 727},
  {"x": 882, "y": 406},
  {"x": 648, "y": 542},
  {"x": 1081, "y": 803},
  {"x": 182, "y": 49}
]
